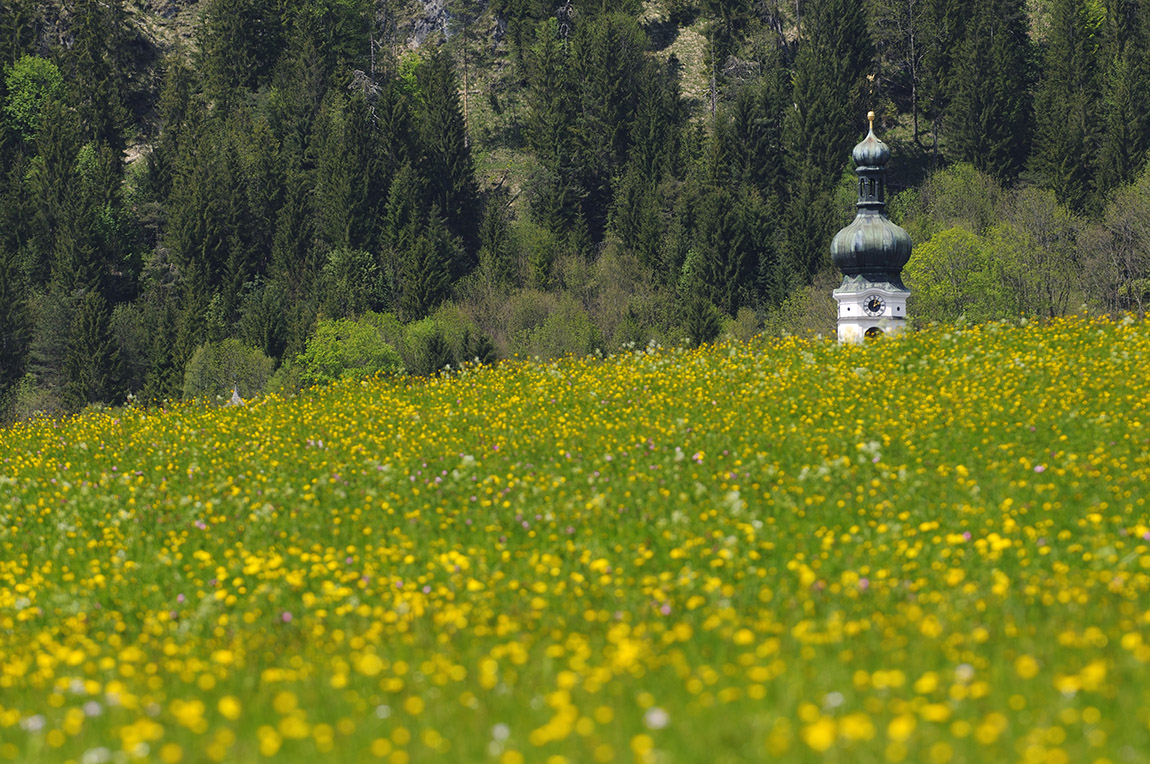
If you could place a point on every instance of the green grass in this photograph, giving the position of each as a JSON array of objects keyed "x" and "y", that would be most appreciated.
[{"x": 930, "y": 549}]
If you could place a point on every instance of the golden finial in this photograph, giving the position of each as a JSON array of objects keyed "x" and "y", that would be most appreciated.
[{"x": 870, "y": 116}]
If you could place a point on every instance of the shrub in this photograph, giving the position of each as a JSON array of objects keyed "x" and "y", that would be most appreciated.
[
  {"x": 427, "y": 349},
  {"x": 218, "y": 367},
  {"x": 344, "y": 348},
  {"x": 567, "y": 330}
]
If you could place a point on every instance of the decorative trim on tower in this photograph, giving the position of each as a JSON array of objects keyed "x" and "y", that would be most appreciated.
[{"x": 871, "y": 253}]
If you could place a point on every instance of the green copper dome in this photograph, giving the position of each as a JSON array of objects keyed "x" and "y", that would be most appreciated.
[{"x": 871, "y": 248}]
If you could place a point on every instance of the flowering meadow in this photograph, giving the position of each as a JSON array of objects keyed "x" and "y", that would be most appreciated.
[{"x": 927, "y": 549}]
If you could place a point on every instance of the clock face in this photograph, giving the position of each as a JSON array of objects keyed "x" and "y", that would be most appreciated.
[{"x": 874, "y": 305}]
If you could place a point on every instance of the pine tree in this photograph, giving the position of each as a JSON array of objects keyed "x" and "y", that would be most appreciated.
[
  {"x": 352, "y": 178},
  {"x": 296, "y": 258},
  {"x": 990, "y": 119},
  {"x": 1068, "y": 100},
  {"x": 830, "y": 71},
  {"x": 495, "y": 246},
  {"x": 900, "y": 30},
  {"x": 178, "y": 110},
  {"x": 17, "y": 29},
  {"x": 551, "y": 116},
  {"x": 163, "y": 379},
  {"x": 92, "y": 364},
  {"x": 751, "y": 130}
]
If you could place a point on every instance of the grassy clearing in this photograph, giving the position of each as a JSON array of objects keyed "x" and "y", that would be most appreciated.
[{"x": 932, "y": 549}]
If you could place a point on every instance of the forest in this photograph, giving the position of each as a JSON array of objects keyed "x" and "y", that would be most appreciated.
[{"x": 249, "y": 195}]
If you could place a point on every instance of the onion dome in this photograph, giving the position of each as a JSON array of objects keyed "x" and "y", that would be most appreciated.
[
  {"x": 871, "y": 152},
  {"x": 871, "y": 249}
]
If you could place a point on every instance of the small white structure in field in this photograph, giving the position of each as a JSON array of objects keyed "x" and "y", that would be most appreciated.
[{"x": 871, "y": 253}]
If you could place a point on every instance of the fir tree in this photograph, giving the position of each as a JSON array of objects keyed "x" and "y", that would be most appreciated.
[
  {"x": 1068, "y": 100},
  {"x": 990, "y": 120}
]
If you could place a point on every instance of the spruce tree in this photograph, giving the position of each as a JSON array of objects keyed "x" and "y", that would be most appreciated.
[
  {"x": 92, "y": 364},
  {"x": 97, "y": 68},
  {"x": 834, "y": 57},
  {"x": 239, "y": 42},
  {"x": 990, "y": 119},
  {"x": 1067, "y": 102},
  {"x": 14, "y": 323},
  {"x": 425, "y": 268},
  {"x": 944, "y": 32},
  {"x": 1125, "y": 106},
  {"x": 446, "y": 157},
  {"x": 609, "y": 70}
]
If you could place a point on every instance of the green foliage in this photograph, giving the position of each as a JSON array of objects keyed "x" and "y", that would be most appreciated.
[
  {"x": 1117, "y": 250},
  {"x": 30, "y": 82},
  {"x": 239, "y": 40},
  {"x": 830, "y": 71},
  {"x": 14, "y": 325},
  {"x": 343, "y": 348},
  {"x": 353, "y": 282},
  {"x": 92, "y": 366},
  {"x": 1067, "y": 103},
  {"x": 957, "y": 275},
  {"x": 567, "y": 329},
  {"x": 959, "y": 195},
  {"x": 217, "y": 369},
  {"x": 702, "y": 322},
  {"x": 427, "y": 351},
  {"x": 991, "y": 118}
]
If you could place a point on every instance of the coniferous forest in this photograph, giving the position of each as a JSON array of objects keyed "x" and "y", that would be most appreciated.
[{"x": 263, "y": 194}]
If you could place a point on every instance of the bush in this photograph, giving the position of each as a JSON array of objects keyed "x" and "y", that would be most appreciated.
[
  {"x": 218, "y": 367},
  {"x": 427, "y": 349},
  {"x": 343, "y": 348},
  {"x": 567, "y": 330}
]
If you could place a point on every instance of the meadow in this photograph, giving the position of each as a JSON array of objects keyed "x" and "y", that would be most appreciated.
[{"x": 928, "y": 549}]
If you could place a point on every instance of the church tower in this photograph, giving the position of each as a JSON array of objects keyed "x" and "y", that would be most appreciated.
[{"x": 871, "y": 253}]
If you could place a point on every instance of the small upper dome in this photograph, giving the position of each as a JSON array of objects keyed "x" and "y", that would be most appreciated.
[{"x": 871, "y": 152}]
